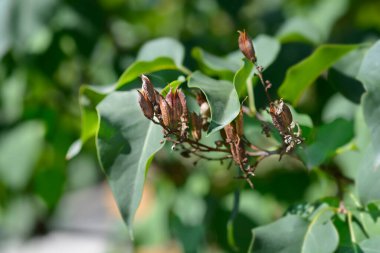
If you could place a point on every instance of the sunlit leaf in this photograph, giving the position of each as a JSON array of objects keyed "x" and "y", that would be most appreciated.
[
  {"x": 222, "y": 98},
  {"x": 300, "y": 76},
  {"x": 126, "y": 143},
  {"x": 371, "y": 245}
]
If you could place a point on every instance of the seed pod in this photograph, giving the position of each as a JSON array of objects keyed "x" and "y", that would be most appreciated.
[
  {"x": 148, "y": 89},
  {"x": 196, "y": 123},
  {"x": 145, "y": 105},
  {"x": 165, "y": 111},
  {"x": 239, "y": 124},
  {"x": 246, "y": 46},
  {"x": 182, "y": 100},
  {"x": 286, "y": 115},
  {"x": 175, "y": 105}
]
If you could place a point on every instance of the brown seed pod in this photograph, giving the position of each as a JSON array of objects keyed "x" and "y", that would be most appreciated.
[
  {"x": 182, "y": 100},
  {"x": 148, "y": 89},
  {"x": 246, "y": 46},
  {"x": 175, "y": 104},
  {"x": 196, "y": 124},
  {"x": 165, "y": 111},
  {"x": 146, "y": 105},
  {"x": 239, "y": 124}
]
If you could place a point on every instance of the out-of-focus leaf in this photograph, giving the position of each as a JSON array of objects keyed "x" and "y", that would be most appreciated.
[
  {"x": 126, "y": 143},
  {"x": 368, "y": 72},
  {"x": 320, "y": 229},
  {"x": 221, "y": 96},
  {"x": 371, "y": 245},
  {"x": 343, "y": 74},
  {"x": 162, "y": 47},
  {"x": 314, "y": 23},
  {"x": 328, "y": 138},
  {"x": 20, "y": 149},
  {"x": 345, "y": 242},
  {"x": 300, "y": 76},
  {"x": 338, "y": 107},
  {"x": 266, "y": 48},
  {"x": 285, "y": 235},
  {"x": 49, "y": 185},
  {"x": 368, "y": 176},
  {"x": 5, "y": 25}
]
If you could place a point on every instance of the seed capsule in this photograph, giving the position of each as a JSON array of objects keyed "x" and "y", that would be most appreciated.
[
  {"x": 146, "y": 106},
  {"x": 196, "y": 123},
  {"x": 239, "y": 124},
  {"x": 165, "y": 112},
  {"x": 246, "y": 46},
  {"x": 148, "y": 89},
  {"x": 175, "y": 105}
]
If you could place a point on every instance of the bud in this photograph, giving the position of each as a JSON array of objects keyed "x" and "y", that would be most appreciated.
[
  {"x": 145, "y": 105},
  {"x": 246, "y": 46},
  {"x": 165, "y": 111},
  {"x": 196, "y": 123},
  {"x": 148, "y": 89}
]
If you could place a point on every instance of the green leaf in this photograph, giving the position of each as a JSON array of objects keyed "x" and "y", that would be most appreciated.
[
  {"x": 368, "y": 72},
  {"x": 368, "y": 177},
  {"x": 266, "y": 48},
  {"x": 371, "y": 245},
  {"x": 222, "y": 98},
  {"x": 321, "y": 229},
  {"x": 155, "y": 55},
  {"x": 314, "y": 23},
  {"x": 300, "y": 76},
  {"x": 243, "y": 78},
  {"x": 328, "y": 138},
  {"x": 285, "y": 235},
  {"x": 343, "y": 75},
  {"x": 20, "y": 149},
  {"x": 162, "y": 47},
  {"x": 126, "y": 143},
  {"x": 143, "y": 67}
]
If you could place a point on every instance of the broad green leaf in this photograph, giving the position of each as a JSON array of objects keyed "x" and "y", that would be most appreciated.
[
  {"x": 155, "y": 55},
  {"x": 144, "y": 67},
  {"x": 343, "y": 74},
  {"x": 321, "y": 229},
  {"x": 5, "y": 26},
  {"x": 285, "y": 235},
  {"x": 126, "y": 143},
  {"x": 299, "y": 29},
  {"x": 222, "y": 98},
  {"x": 300, "y": 76},
  {"x": 20, "y": 149},
  {"x": 328, "y": 138},
  {"x": 371, "y": 245}
]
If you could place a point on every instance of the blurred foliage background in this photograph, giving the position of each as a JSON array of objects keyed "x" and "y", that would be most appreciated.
[{"x": 48, "y": 48}]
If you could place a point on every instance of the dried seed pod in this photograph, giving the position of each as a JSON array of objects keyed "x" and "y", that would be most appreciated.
[
  {"x": 196, "y": 124},
  {"x": 146, "y": 105},
  {"x": 165, "y": 111},
  {"x": 182, "y": 100},
  {"x": 239, "y": 124},
  {"x": 148, "y": 89},
  {"x": 246, "y": 46},
  {"x": 175, "y": 104}
]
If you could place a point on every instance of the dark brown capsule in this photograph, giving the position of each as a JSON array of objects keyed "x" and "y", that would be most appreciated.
[
  {"x": 196, "y": 126},
  {"x": 165, "y": 112},
  {"x": 239, "y": 124},
  {"x": 146, "y": 105},
  {"x": 246, "y": 46},
  {"x": 148, "y": 89}
]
